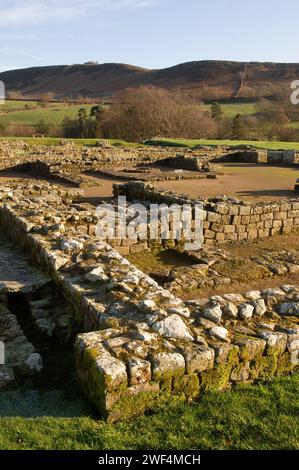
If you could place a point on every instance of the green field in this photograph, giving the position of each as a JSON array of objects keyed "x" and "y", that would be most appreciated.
[
  {"x": 53, "y": 114},
  {"x": 15, "y": 105},
  {"x": 31, "y": 112},
  {"x": 248, "y": 417},
  {"x": 231, "y": 110}
]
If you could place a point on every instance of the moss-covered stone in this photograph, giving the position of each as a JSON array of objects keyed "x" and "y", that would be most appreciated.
[
  {"x": 263, "y": 367},
  {"x": 186, "y": 386},
  {"x": 219, "y": 377},
  {"x": 284, "y": 364}
]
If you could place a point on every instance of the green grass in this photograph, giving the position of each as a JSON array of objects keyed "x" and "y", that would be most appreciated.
[
  {"x": 54, "y": 115},
  {"x": 294, "y": 125},
  {"x": 15, "y": 105},
  {"x": 78, "y": 142},
  {"x": 178, "y": 142},
  {"x": 248, "y": 417},
  {"x": 262, "y": 144},
  {"x": 231, "y": 110},
  {"x": 15, "y": 112}
]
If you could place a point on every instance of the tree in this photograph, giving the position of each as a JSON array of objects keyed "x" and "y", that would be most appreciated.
[
  {"x": 42, "y": 128},
  {"x": 82, "y": 123},
  {"x": 95, "y": 111},
  {"x": 238, "y": 128},
  {"x": 216, "y": 112},
  {"x": 142, "y": 113}
]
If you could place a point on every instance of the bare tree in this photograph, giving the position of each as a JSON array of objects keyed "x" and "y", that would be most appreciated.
[{"x": 142, "y": 113}]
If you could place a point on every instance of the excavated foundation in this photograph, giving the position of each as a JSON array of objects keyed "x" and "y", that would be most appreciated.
[{"x": 140, "y": 345}]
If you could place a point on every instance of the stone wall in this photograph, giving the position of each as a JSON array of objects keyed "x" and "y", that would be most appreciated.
[
  {"x": 284, "y": 157},
  {"x": 225, "y": 219},
  {"x": 141, "y": 346}
]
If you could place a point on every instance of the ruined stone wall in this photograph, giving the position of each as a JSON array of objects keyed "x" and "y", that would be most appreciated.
[
  {"x": 69, "y": 159},
  {"x": 225, "y": 220},
  {"x": 143, "y": 346},
  {"x": 284, "y": 157}
]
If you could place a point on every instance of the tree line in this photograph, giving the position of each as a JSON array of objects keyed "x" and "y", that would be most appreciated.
[{"x": 148, "y": 112}]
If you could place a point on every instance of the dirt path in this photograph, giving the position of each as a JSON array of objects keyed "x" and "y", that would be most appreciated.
[
  {"x": 103, "y": 192},
  {"x": 243, "y": 181}
]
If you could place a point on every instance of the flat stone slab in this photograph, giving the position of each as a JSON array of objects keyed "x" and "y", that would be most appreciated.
[{"x": 17, "y": 274}]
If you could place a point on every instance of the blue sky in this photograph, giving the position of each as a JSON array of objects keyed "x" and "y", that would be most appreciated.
[{"x": 149, "y": 33}]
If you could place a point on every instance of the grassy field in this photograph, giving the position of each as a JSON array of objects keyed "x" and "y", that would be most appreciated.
[
  {"x": 53, "y": 114},
  {"x": 262, "y": 144},
  {"x": 79, "y": 142},
  {"x": 248, "y": 417},
  {"x": 231, "y": 110},
  {"x": 178, "y": 142},
  {"x": 15, "y": 105},
  {"x": 31, "y": 112}
]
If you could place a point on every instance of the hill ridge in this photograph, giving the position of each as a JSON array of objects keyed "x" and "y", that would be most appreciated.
[{"x": 204, "y": 79}]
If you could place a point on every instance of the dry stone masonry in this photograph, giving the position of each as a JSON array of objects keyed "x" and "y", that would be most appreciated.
[
  {"x": 67, "y": 161},
  {"x": 226, "y": 219},
  {"x": 140, "y": 345}
]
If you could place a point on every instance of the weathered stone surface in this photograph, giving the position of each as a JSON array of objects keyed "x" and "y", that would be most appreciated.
[
  {"x": 250, "y": 348},
  {"x": 96, "y": 275},
  {"x": 164, "y": 363},
  {"x": 290, "y": 309},
  {"x": 139, "y": 371},
  {"x": 230, "y": 310},
  {"x": 213, "y": 313},
  {"x": 219, "y": 332},
  {"x": 173, "y": 327},
  {"x": 278, "y": 341},
  {"x": 34, "y": 362},
  {"x": 246, "y": 311},
  {"x": 146, "y": 345},
  {"x": 259, "y": 307},
  {"x": 198, "y": 358}
]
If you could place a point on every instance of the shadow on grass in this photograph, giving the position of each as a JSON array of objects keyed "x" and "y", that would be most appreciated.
[{"x": 37, "y": 404}]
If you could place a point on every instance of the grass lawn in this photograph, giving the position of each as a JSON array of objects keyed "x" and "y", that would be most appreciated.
[
  {"x": 263, "y": 416},
  {"x": 177, "y": 142},
  {"x": 263, "y": 144},
  {"x": 79, "y": 142}
]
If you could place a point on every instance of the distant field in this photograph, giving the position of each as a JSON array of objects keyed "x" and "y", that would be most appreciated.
[
  {"x": 54, "y": 113},
  {"x": 15, "y": 105},
  {"x": 294, "y": 125},
  {"x": 31, "y": 112},
  {"x": 231, "y": 110}
]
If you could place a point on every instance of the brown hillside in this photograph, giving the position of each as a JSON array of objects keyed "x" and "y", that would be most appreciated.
[{"x": 205, "y": 79}]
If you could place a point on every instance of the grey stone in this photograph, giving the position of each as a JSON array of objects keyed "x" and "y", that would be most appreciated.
[
  {"x": 173, "y": 327},
  {"x": 219, "y": 332},
  {"x": 246, "y": 311},
  {"x": 213, "y": 313}
]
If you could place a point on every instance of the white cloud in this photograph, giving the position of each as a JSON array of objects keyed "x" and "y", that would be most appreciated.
[{"x": 33, "y": 11}]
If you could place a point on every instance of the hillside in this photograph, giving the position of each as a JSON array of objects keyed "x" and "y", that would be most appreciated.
[{"x": 204, "y": 79}]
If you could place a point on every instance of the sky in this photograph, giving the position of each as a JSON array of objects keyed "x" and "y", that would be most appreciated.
[{"x": 147, "y": 33}]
